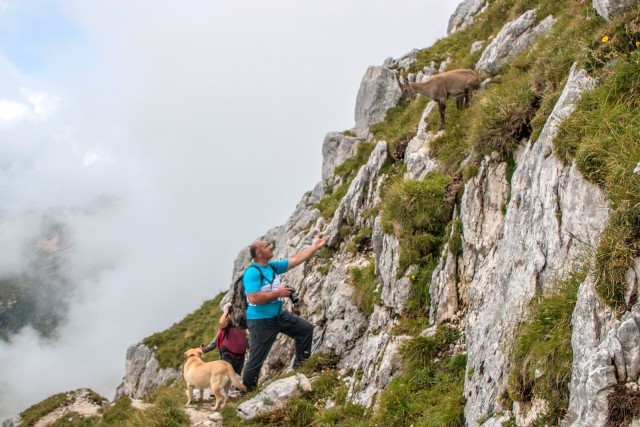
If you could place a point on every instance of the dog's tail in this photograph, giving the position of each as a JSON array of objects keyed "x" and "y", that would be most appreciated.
[{"x": 234, "y": 378}]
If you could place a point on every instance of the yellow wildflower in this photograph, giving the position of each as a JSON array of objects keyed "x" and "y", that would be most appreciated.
[
  {"x": 637, "y": 44},
  {"x": 605, "y": 39}
]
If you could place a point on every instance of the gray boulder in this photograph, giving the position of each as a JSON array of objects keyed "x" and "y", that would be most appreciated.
[
  {"x": 379, "y": 91},
  {"x": 610, "y": 8},
  {"x": 403, "y": 62},
  {"x": 143, "y": 373},
  {"x": 336, "y": 148},
  {"x": 274, "y": 396},
  {"x": 465, "y": 14},
  {"x": 514, "y": 38},
  {"x": 606, "y": 353}
]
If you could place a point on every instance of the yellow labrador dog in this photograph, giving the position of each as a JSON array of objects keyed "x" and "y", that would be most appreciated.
[{"x": 218, "y": 375}]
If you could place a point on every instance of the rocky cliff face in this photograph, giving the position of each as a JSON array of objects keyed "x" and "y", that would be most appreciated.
[{"x": 521, "y": 232}]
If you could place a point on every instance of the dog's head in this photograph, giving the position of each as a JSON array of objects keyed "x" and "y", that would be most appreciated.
[{"x": 194, "y": 352}]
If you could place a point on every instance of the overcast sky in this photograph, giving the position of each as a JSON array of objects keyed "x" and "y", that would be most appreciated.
[{"x": 166, "y": 136}]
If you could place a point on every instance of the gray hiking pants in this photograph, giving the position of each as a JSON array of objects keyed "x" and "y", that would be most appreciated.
[{"x": 262, "y": 334}]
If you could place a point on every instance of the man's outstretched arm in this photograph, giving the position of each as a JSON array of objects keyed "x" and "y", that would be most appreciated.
[{"x": 305, "y": 254}]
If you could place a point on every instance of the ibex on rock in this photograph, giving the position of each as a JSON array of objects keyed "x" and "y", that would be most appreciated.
[{"x": 459, "y": 84}]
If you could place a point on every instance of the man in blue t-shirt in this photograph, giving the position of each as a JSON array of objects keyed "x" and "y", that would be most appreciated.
[{"x": 265, "y": 316}]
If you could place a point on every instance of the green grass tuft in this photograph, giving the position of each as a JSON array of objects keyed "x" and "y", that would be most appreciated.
[
  {"x": 503, "y": 115},
  {"x": 400, "y": 125},
  {"x": 32, "y": 414},
  {"x": 365, "y": 287},
  {"x": 196, "y": 328},
  {"x": 542, "y": 355},
  {"x": 429, "y": 392},
  {"x": 167, "y": 410}
]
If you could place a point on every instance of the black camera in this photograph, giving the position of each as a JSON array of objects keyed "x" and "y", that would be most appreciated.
[{"x": 293, "y": 296}]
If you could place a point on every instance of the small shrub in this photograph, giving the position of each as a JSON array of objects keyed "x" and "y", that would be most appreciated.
[
  {"x": 301, "y": 413},
  {"x": 455, "y": 239},
  {"x": 320, "y": 362},
  {"x": 421, "y": 351},
  {"x": 325, "y": 385},
  {"x": 362, "y": 239},
  {"x": 504, "y": 114},
  {"x": 613, "y": 40},
  {"x": 365, "y": 284},
  {"x": 624, "y": 406},
  {"x": 618, "y": 248},
  {"x": 419, "y": 298},
  {"x": 417, "y": 207}
]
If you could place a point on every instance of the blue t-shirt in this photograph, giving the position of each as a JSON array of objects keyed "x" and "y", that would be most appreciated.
[{"x": 253, "y": 283}]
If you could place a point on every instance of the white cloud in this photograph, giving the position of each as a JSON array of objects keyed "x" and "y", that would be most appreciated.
[
  {"x": 42, "y": 105},
  {"x": 90, "y": 158},
  {"x": 12, "y": 111},
  {"x": 202, "y": 124}
]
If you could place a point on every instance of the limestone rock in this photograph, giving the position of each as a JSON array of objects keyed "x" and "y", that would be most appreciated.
[
  {"x": 497, "y": 420},
  {"x": 511, "y": 262},
  {"x": 606, "y": 352},
  {"x": 464, "y": 14},
  {"x": 444, "y": 288},
  {"x": 526, "y": 413},
  {"x": 418, "y": 153},
  {"x": 363, "y": 193},
  {"x": 379, "y": 91},
  {"x": 514, "y": 38},
  {"x": 80, "y": 401},
  {"x": 610, "y": 8},
  {"x": 387, "y": 254},
  {"x": 143, "y": 373},
  {"x": 374, "y": 361},
  {"x": 203, "y": 418},
  {"x": 274, "y": 396},
  {"x": 477, "y": 46},
  {"x": 403, "y": 62},
  {"x": 336, "y": 148}
]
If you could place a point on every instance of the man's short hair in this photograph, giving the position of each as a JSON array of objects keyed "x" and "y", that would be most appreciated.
[{"x": 252, "y": 250}]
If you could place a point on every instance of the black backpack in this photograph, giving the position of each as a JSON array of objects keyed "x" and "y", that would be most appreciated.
[{"x": 239, "y": 302}]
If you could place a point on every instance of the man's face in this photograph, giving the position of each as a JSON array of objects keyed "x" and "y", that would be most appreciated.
[{"x": 264, "y": 250}]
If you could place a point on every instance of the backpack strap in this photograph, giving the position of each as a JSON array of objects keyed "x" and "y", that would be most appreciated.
[
  {"x": 262, "y": 277},
  {"x": 275, "y": 274}
]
